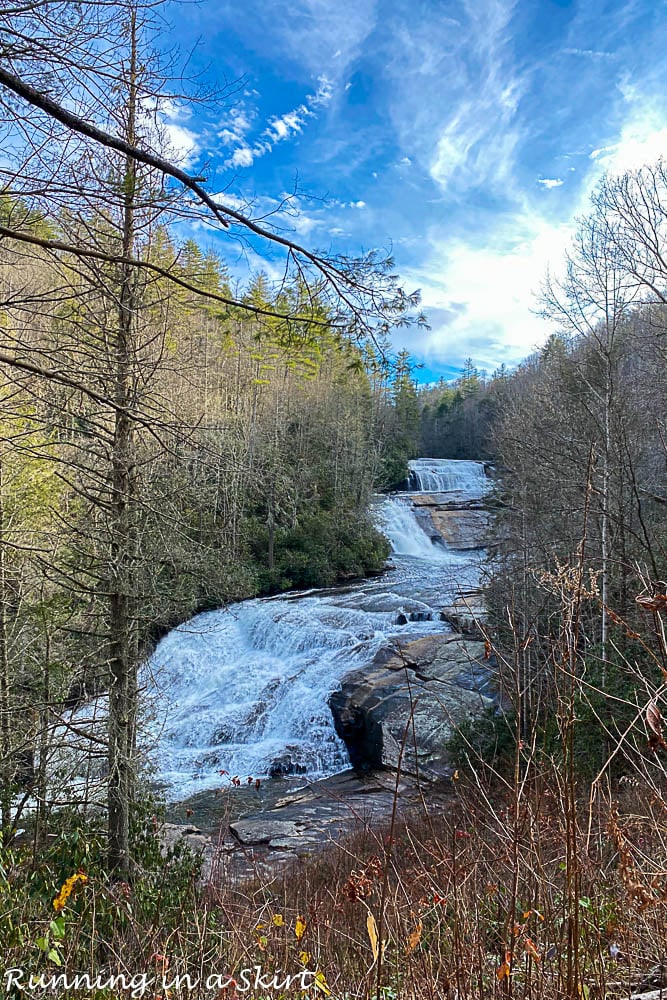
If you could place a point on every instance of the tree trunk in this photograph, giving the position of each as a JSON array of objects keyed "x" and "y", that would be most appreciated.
[
  {"x": 122, "y": 620},
  {"x": 5, "y": 726}
]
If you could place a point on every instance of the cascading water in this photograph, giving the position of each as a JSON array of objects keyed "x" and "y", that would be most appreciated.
[
  {"x": 245, "y": 689},
  {"x": 407, "y": 536},
  {"x": 440, "y": 475}
]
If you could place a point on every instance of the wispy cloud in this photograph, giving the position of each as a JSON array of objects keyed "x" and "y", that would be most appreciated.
[
  {"x": 465, "y": 134},
  {"x": 235, "y": 125},
  {"x": 319, "y": 35},
  {"x": 456, "y": 90},
  {"x": 589, "y": 53},
  {"x": 280, "y": 127},
  {"x": 641, "y": 139}
]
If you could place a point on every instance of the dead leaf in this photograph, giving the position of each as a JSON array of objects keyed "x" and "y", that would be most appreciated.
[
  {"x": 654, "y": 602},
  {"x": 372, "y": 929},
  {"x": 505, "y": 970},
  {"x": 530, "y": 947},
  {"x": 321, "y": 984},
  {"x": 654, "y": 723},
  {"x": 299, "y": 928},
  {"x": 414, "y": 938}
]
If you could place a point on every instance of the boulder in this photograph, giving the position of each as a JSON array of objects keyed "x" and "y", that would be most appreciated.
[
  {"x": 460, "y": 529},
  {"x": 262, "y": 829},
  {"x": 171, "y": 834},
  {"x": 467, "y": 614},
  {"x": 425, "y": 688}
]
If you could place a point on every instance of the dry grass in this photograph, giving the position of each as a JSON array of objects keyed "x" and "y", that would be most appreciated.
[{"x": 475, "y": 903}]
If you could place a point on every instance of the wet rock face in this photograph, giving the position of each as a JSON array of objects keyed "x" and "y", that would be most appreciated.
[
  {"x": 361, "y": 733},
  {"x": 459, "y": 524},
  {"x": 286, "y": 764},
  {"x": 414, "y": 616},
  {"x": 412, "y": 698},
  {"x": 467, "y": 614}
]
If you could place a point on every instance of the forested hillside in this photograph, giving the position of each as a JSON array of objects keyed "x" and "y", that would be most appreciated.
[
  {"x": 172, "y": 438},
  {"x": 577, "y": 435},
  {"x": 255, "y": 457}
]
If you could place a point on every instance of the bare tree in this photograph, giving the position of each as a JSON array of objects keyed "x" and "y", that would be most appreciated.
[
  {"x": 593, "y": 301},
  {"x": 88, "y": 186}
]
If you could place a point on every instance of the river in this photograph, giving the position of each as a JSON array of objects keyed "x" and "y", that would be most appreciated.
[{"x": 244, "y": 689}]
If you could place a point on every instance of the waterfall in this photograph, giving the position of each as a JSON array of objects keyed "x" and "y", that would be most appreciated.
[
  {"x": 244, "y": 689},
  {"x": 444, "y": 475},
  {"x": 405, "y": 532}
]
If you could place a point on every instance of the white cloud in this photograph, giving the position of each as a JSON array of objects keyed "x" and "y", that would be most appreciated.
[
  {"x": 233, "y": 201},
  {"x": 243, "y": 156},
  {"x": 235, "y": 125},
  {"x": 483, "y": 298},
  {"x": 323, "y": 94},
  {"x": 487, "y": 295},
  {"x": 160, "y": 123},
  {"x": 183, "y": 145},
  {"x": 278, "y": 129},
  {"x": 281, "y": 128},
  {"x": 643, "y": 139},
  {"x": 589, "y": 53}
]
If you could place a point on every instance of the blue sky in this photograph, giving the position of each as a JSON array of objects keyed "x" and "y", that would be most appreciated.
[{"x": 464, "y": 136}]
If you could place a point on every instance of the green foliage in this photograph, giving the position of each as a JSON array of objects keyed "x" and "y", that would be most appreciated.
[
  {"x": 323, "y": 548},
  {"x": 458, "y": 420},
  {"x": 393, "y": 472},
  {"x": 488, "y": 739},
  {"x": 605, "y": 707}
]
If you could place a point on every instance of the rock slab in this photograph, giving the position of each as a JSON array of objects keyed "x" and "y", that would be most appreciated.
[{"x": 405, "y": 704}]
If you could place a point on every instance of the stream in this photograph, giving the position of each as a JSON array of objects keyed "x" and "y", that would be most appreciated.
[{"x": 244, "y": 689}]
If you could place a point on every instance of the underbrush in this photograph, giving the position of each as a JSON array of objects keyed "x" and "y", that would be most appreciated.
[{"x": 479, "y": 902}]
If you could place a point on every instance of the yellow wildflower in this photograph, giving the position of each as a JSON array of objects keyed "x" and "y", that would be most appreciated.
[
  {"x": 321, "y": 983},
  {"x": 66, "y": 890},
  {"x": 300, "y": 928}
]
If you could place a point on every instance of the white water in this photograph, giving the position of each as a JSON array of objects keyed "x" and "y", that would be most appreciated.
[
  {"x": 398, "y": 521},
  {"x": 438, "y": 475},
  {"x": 238, "y": 688}
]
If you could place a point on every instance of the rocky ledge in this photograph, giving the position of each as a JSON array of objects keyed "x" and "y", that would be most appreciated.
[
  {"x": 404, "y": 706},
  {"x": 400, "y": 710},
  {"x": 467, "y": 615},
  {"x": 303, "y": 821},
  {"x": 460, "y": 523},
  {"x": 395, "y": 716}
]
